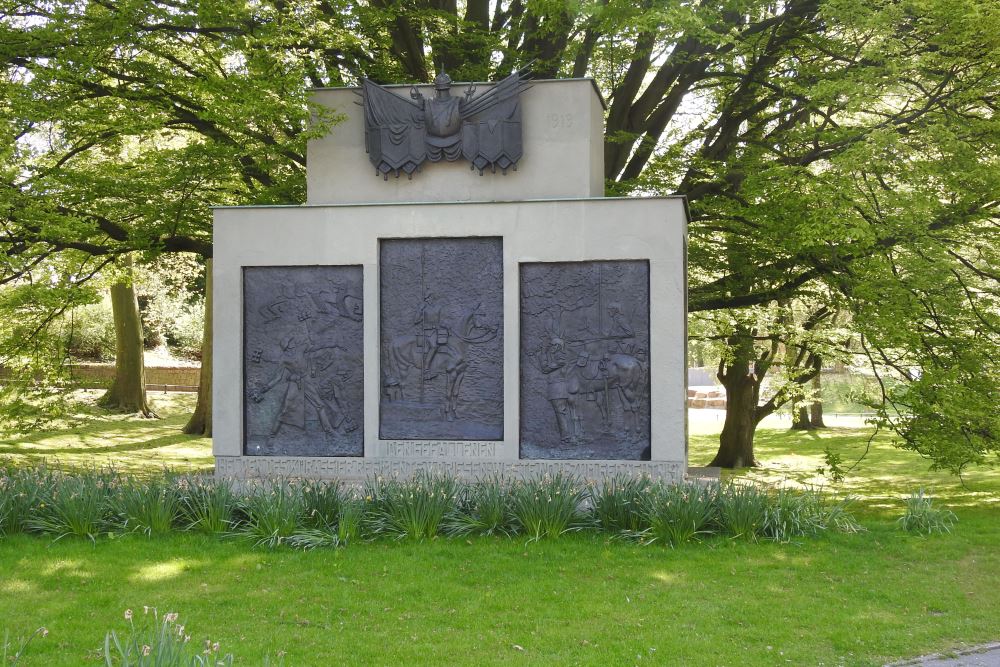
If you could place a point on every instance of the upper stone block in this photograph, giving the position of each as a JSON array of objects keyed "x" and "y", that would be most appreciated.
[{"x": 563, "y": 134}]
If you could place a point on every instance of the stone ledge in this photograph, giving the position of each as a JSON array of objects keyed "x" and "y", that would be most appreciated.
[{"x": 358, "y": 469}]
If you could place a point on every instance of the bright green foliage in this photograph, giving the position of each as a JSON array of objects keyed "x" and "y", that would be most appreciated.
[
  {"x": 547, "y": 506},
  {"x": 19, "y": 497},
  {"x": 323, "y": 502},
  {"x": 207, "y": 505},
  {"x": 743, "y": 510},
  {"x": 270, "y": 513},
  {"x": 413, "y": 508},
  {"x": 922, "y": 516},
  {"x": 484, "y": 508},
  {"x": 151, "y": 506},
  {"x": 74, "y": 505},
  {"x": 618, "y": 503},
  {"x": 676, "y": 513}
]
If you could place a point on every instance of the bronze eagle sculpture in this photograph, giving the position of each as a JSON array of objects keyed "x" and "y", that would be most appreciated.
[{"x": 400, "y": 133}]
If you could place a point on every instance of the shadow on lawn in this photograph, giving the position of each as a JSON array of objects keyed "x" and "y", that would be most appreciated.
[
  {"x": 126, "y": 442},
  {"x": 881, "y": 475},
  {"x": 85, "y": 447}
]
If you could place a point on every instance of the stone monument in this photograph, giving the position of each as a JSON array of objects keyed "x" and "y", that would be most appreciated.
[{"x": 457, "y": 294}]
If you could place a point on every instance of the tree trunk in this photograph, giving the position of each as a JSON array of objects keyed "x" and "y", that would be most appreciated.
[
  {"x": 742, "y": 383},
  {"x": 800, "y": 418},
  {"x": 816, "y": 409},
  {"x": 201, "y": 421},
  {"x": 128, "y": 390}
]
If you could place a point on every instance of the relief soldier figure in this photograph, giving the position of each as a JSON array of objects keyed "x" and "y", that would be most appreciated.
[
  {"x": 441, "y": 316},
  {"x": 298, "y": 369},
  {"x": 591, "y": 361},
  {"x": 553, "y": 365},
  {"x": 303, "y": 332}
]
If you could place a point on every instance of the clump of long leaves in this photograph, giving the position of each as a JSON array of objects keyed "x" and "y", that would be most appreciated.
[
  {"x": 322, "y": 502},
  {"x": 207, "y": 505},
  {"x": 149, "y": 506},
  {"x": 6, "y": 647},
  {"x": 20, "y": 490},
  {"x": 76, "y": 505},
  {"x": 547, "y": 506},
  {"x": 346, "y": 528},
  {"x": 676, "y": 513},
  {"x": 743, "y": 510},
  {"x": 617, "y": 504},
  {"x": 794, "y": 514},
  {"x": 921, "y": 516},
  {"x": 805, "y": 513},
  {"x": 159, "y": 642},
  {"x": 271, "y": 513},
  {"x": 413, "y": 508},
  {"x": 484, "y": 508}
]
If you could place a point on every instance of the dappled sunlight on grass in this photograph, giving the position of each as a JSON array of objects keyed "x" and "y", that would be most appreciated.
[
  {"x": 881, "y": 475},
  {"x": 126, "y": 442},
  {"x": 17, "y": 586},
  {"x": 69, "y": 568},
  {"x": 164, "y": 570}
]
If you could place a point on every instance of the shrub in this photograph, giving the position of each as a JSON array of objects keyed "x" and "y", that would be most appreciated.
[
  {"x": 547, "y": 506},
  {"x": 921, "y": 516},
  {"x": 184, "y": 331},
  {"x": 207, "y": 505},
  {"x": 675, "y": 513},
  {"x": 742, "y": 510},
  {"x": 617, "y": 504},
  {"x": 272, "y": 511},
  {"x": 412, "y": 509},
  {"x": 149, "y": 506},
  {"x": 74, "y": 505},
  {"x": 484, "y": 508},
  {"x": 838, "y": 517},
  {"x": 90, "y": 331},
  {"x": 792, "y": 514}
]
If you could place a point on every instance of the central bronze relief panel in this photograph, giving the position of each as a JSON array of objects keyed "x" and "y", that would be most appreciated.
[{"x": 441, "y": 339}]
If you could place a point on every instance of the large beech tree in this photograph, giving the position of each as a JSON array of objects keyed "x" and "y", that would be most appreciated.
[{"x": 813, "y": 138}]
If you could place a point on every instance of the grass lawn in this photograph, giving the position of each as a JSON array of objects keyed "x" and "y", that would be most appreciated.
[
  {"x": 837, "y": 600},
  {"x": 129, "y": 443}
]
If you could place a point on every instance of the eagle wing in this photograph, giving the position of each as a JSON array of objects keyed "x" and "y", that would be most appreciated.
[{"x": 394, "y": 130}]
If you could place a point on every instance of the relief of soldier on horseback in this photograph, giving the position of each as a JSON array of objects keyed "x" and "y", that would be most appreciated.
[{"x": 439, "y": 347}]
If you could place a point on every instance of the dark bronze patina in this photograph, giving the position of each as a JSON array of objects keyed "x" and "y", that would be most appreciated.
[
  {"x": 441, "y": 327},
  {"x": 400, "y": 133},
  {"x": 303, "y": 371},
  {"x": 584, "y": 360}
]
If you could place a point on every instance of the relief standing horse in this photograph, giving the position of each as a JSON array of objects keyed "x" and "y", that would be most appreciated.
[{"x": 450, "y": 359}]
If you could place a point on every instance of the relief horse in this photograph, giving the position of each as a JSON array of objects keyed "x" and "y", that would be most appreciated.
[
  {"x": 596, "y": 379},
  {"x": 431, "y": 358}
]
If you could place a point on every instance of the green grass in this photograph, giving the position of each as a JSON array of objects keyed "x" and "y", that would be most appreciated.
[
  {"x": 882, "y": 478},
  {"x": 852, "y": 600},
  {"x": 129, "y": 443},
  {"x": 837, "y": 599}
]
